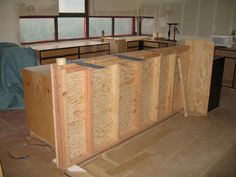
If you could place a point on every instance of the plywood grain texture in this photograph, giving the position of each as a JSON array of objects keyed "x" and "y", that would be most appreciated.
[
  {"x": 95, "y": 109},
  {"x": 127, "y": 97},
  {"x": 147, "y": 90},
  {"x": 75, "y": 103},
  {"x": 178, "y": 92},
  {"x": 38, "y": 102},
  {"x": 102, "y": 106},
  {"x": 199, "y": 75}
]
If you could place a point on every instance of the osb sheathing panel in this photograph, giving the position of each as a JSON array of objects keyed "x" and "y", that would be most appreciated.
[
  {"x": 75, "y": 106},
  {"x": 127, "y": 97},
  {"x": 102, "y": 106},
  {"x": 117, "y": 101},
  {"x": 147, "y": 90},
  {"x": 199, "y": 75}
]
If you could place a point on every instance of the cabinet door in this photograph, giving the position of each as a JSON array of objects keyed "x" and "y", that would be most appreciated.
[{"x": 228, "y": 76}]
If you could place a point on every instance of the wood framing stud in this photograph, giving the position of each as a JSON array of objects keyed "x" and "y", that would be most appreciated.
[{"x": 88, "y": 110}]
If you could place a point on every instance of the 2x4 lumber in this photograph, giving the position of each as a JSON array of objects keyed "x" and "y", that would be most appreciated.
[
  {"x": 171, "y": 80},
  {"x": 116, "y": 101},
  {"x": 155, "y": 88},
  {"x": 138, "y": 79},
  {"x": 88, "y": 111},
  {"x": 183, "y": 86},
  {"x": 59, "y": 112}
]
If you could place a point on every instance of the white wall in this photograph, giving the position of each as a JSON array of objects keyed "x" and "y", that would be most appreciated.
[
  {"x": 10, "y": 10},
  {"x": 197, "y": 18},
  {"x": 9, "y": 23}
]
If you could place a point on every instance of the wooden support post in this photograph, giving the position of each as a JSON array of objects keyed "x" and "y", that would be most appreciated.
[
  {"x": 138, "y": 80},
  {"x": 116, "y": 101},
  {"x": 155, "y": 88},
  {"x": 60, "y": 115},
  {"x": 171, "y": 80},
  {"x": 88, "y": 78},
  {"x": 182, "y": 87}
]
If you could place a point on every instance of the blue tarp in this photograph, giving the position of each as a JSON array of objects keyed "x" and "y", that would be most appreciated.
[{"x": 12, "y": 60}]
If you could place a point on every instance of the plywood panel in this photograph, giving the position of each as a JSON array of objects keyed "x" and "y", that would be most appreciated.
[
  {"x": 147, "y": 90},
  {"x": 39, "y": 118},
  {"x": 163, "y": 86},
  {"x": 102, "y": 108},
  {"x": 127, "y": 97},
  {"x": 96, "y": 109},
  {"x": 199, "y": 75},
  {"x": 75, "y": 103}
]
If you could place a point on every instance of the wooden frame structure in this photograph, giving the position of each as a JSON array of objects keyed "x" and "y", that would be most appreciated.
[{"x": 95, "y": 109}]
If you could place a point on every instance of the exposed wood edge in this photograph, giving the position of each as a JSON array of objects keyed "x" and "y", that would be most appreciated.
[
  {"x": 183, "y": 87},
  {"x": 145, "y": 54},
  {"x": 55, "y": 106},
  {"x": 158, "y": 89},
  {"x": 88, "y": 77},
  {"x": 155, "y": 88},
  {"x": 59, "y": 115},
  {"x": 116, "y": 101},
  {"x": 138, "y": 88},
  {"x": 171, "y": 83}
]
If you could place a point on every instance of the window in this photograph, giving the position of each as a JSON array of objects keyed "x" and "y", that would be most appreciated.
[
  {"x": 147, "y": 26},
  {"x": 97, "y": 25},
  {"x": 37, "y": 29},
  {"x": 71, "y": 28},
  {"x": 123, "y": 26},
  {"x": 72, "y": 6}
]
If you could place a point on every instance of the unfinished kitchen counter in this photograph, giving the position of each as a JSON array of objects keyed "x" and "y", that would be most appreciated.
[{"x": 92, "y": 109}]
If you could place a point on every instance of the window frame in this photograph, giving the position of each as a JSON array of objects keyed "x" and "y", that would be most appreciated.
[
  {"x": 140, "y": 27},
  {"x": 86, "y": 25},
  {"x": 68, "y": 14},
  {"x": 40, "y": 17},
  {"x": 132, "y": 26},
  {"x": 84, "y": 29},
  {"x": 100, "y": 17}
]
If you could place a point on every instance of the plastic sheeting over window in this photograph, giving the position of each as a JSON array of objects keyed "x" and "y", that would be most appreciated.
[
  {"x": 123, "y": 26},
  {"x": 97, "y": 25},
  {"x": 37, "y": 29},
  {"x": 71, "y": 28}
]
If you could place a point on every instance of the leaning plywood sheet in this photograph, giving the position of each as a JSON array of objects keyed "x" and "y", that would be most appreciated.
[
  {"x": 199, "y": 75},
  {"x": 95, "y": 109}
]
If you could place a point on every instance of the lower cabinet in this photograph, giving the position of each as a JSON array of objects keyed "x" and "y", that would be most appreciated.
[{"x": 216, "y": 82}]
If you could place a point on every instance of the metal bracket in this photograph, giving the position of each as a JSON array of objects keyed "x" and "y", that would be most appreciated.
[
  {"x": 79, "y": 62},
  {"x": 128, "y": 57}
]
